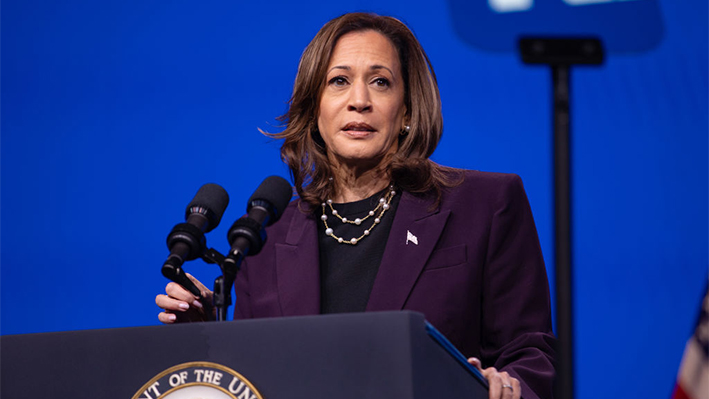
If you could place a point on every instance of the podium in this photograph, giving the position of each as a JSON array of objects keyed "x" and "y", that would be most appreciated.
[{"x": 359, "y": 355}]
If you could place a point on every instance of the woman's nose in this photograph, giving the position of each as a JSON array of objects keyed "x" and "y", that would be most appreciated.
[{"x": 359, "y": 98}]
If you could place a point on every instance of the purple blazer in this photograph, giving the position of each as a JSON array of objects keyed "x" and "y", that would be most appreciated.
[{"x": 476, "y": 273}]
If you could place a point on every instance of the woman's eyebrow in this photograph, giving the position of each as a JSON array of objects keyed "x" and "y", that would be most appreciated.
[
  {"x": 373, "y": 67},
  {"x": 345, "y": 67},
  {"x": 382, "y": 67}
]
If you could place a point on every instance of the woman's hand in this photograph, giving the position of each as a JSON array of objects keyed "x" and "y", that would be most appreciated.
[
  {"x": 502, "y": 385},
  {"x": 181, "y": 306}
]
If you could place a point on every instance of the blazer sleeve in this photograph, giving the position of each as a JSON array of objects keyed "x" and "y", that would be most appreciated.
[{"x": 516, "y": 327}]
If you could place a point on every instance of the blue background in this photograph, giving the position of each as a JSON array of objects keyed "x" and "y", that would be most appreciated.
[
  {"x": 624, "y": 25},
  {"x": 114, "y": 113}
]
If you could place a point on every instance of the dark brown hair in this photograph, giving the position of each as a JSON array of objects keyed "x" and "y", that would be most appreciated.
[{"x": 303, "y": 149}]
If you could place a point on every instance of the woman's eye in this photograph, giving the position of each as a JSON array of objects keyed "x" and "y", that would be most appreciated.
[
  {"x": 338, "y": 81},
  {"x": 381, "y": 82}
]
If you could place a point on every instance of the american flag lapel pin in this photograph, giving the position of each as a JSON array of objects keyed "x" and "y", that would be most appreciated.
[{"x": 411, "y": 238}]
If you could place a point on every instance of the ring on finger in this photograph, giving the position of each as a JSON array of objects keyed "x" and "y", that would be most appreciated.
[{"x": 508, "y": 386}]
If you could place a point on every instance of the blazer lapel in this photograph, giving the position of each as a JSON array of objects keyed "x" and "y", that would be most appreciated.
[
  {"x": 413, "y": 236},
  {"x": 298, "y": 268}
]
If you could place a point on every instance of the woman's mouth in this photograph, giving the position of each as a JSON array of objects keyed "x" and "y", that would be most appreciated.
[
  {"x": 358, "y": 126},
  {"x": 358, "y": 129}
]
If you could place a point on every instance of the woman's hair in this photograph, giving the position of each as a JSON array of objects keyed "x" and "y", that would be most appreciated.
[{"x": 304, "y": 150}]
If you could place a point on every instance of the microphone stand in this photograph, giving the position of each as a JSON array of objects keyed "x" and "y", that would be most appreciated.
[
  {"x": 561, "y": 54},
  {"x": 229, "y": 265},
  {"x": 221, "y": 298}
]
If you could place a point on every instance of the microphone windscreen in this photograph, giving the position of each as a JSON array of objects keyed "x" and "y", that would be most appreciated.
[
  {"x": 213, "y": 200},
  {"x": 276, "y": 191}
]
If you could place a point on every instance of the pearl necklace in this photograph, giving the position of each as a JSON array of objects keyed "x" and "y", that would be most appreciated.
[{"x": 382, "y": 206}]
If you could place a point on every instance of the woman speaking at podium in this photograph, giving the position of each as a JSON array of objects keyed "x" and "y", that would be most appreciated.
[{"x": 379, "y": 226}]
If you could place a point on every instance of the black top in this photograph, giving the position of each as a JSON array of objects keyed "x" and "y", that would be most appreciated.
[{"x": 347, "y": 272}]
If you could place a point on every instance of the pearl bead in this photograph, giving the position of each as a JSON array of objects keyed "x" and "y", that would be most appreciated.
[{"x": 384, "y": 204}]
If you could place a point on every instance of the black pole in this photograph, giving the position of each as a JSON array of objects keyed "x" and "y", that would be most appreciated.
[
  {"x": 563, "y": 232},
  {"x": 224, "y": 284},
  {"x": 560, "y": 54}
]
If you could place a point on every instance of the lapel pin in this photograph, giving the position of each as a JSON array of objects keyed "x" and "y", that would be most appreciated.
[{"x": 411, "y": 238}]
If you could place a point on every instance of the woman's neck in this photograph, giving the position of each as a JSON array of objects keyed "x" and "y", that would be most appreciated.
[{"x": 352, "y": 186}]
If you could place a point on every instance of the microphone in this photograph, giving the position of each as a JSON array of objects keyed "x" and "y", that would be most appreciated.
[
  {"x": 186, "y": 241},
  {"x": 247, "y": 235}
]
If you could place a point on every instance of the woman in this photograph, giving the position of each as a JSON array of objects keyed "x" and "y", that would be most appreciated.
[{"x": 378, "y": 226}]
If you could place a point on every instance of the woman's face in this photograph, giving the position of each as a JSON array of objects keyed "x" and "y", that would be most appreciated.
[{"x": 362, "y": 106}]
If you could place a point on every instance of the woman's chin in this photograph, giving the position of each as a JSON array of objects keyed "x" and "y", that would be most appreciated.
[{"x": 359, "y": 159}]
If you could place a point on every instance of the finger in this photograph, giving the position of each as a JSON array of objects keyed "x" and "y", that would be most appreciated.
[
  {"x": 517, "y": 388},
  {"x": 205, "y": 292},
  {"x": 506, "y": 388},
  {"x": 494, "y": 381},
  {"x": 191, "y": 315},
  {"x": 475, "y": 362},
  {"x": 508, "y": 391},
  {"x": 489, "y": 373},
  {"x": 178, "y": 292},
  {"x": 171, "y": 304},
  {"x": 202, "y": 288},
  {"x": 167, "y": 318}
]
